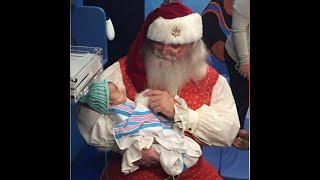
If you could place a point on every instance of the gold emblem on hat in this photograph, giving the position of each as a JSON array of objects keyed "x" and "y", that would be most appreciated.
[{"x": 175, "y": 31}]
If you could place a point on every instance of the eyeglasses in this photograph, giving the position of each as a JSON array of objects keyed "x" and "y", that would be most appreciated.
[{"x": 172, "y": 48}]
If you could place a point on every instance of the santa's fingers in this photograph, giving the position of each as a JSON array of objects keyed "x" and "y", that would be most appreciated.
[
  {"x": 158, "y": 109},
  {"x": 153, "y": 93},
  {"x": 154, "y": 104},
  {"x": 155, "y": 98}
]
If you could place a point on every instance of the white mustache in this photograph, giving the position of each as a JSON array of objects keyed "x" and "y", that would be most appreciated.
[{"x": 168, "y": 57}]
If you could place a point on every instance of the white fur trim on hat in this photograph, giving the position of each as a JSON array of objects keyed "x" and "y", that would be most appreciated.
[{"x": 181, "y": 30}]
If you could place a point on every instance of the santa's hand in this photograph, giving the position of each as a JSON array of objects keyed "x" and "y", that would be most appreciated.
[
  {"x": 149, "y": 157},
  {"x": 161, "y": 102}
]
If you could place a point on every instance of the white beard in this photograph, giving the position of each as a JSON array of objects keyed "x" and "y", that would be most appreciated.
[{"x": 171, "y": 76}]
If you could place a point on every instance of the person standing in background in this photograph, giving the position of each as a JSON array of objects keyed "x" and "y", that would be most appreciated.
[{"x": 237, "y": 57}]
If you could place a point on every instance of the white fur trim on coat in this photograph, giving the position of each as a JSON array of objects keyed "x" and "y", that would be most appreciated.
[{"x": 181, "y": 30}]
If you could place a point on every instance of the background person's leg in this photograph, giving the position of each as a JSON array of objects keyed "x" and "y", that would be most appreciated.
[{"x": 240, "y": 90}]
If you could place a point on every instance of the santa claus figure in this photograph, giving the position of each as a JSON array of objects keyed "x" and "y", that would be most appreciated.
[{"x": 168, "y": 56}]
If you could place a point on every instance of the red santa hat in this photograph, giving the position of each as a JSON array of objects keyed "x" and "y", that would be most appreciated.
[{"x": 171, "y": 23}]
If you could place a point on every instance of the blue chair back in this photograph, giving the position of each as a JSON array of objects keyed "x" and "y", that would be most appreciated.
[{"x": 88, "y": 28}]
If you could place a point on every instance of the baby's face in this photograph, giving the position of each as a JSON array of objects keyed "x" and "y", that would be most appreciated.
[{"x": 116, "y": 97}]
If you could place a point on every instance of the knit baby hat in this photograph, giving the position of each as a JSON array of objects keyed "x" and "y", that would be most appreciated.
[{"x": 97, "y": 97}]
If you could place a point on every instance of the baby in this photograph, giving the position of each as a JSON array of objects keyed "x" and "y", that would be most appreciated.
[{"x": 136, "y": 127}]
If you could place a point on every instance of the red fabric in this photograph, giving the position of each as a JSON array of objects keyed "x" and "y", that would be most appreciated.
[
  {"x": 198, "y": 93},
  {"x": 195, "y": 95},
  {"x": 201, "y": 170},
  {"x": 130, "y": 88},
  {"x": 135, "y": 62},
  {"x": 113, "y": 172}
]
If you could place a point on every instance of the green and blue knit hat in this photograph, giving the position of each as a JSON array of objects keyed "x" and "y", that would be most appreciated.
[{"x": 97, "y": 97}]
